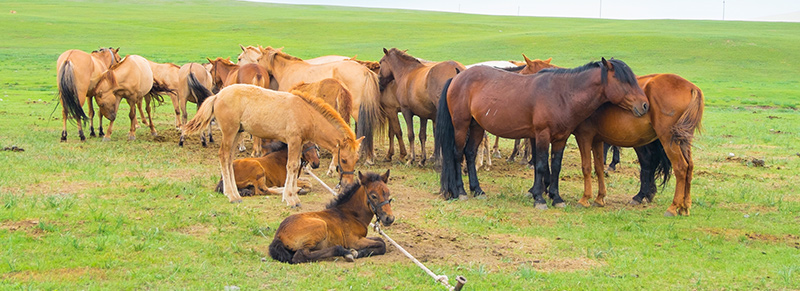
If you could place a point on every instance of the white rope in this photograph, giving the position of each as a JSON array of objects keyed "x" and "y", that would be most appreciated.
[{"x": 438, "y": 278}]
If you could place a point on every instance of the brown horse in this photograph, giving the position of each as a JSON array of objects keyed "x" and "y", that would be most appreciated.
[
  {"x": 270, "y": 170},
  {"x": 391, "y": 107},
  {"x": 76, "y": 70},
  {"x": 677, "y": 109},
  {"x": 194, "y": 85},
  {"x": 547, "y": 107},
  {"x": 294, "y": 118},
  {"x": 418, "y": 89},
  {"x": 333, "y": 92},
  {"x": 341, "y": 229},
  {"x": 130, "y": 79},
  {"x": 362, "y": 83}
]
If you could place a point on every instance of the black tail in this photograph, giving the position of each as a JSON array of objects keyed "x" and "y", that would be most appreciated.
[
  {"x": 364, "y": 127},
  {"x": 279, "y": 252},
  {"x": 219, "y": 186},
  {"x": 657, "y": 161},
  {"x": 446, "y": 144},
  {"x": 199, "y": 91},
  {"x": 69, "y": 94},
  {"x": 157, "y": 90}
]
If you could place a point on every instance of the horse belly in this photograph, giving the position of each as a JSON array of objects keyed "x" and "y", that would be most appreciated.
[
  {"x": 503, "y": 120},
  {"x": 618, "y": 127}
]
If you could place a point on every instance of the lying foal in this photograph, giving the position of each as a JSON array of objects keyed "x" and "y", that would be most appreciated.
[{"x": 269, "y": 170}]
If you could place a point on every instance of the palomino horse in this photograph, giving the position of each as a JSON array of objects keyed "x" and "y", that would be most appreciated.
[
  {"x": 418, "y": 89},
  {"x": 194, "y": 85},
  {"x": 341, "y": 229},
  {"x": 291, "y": 118},
  {"x": 362, "y": 83},
  {"x": 547, "y": 107},
  {"x": 76, "y": 70},
  {"x": 676, "y": 114},
  {"x": 130, "y": 79},
  {"x": 270, "y": 170}
]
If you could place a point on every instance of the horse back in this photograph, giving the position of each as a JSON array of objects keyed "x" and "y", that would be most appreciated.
[
  {"x": 134, "y": 75},
  {"x": 438, "y": 75},
  {"x": 312, "y": 230},
  {"x": 84, "y": 68},
  {"x": 274, "y": 167}
]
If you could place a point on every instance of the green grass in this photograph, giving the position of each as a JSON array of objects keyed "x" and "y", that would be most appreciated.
[{"x": 141, "y": 214}]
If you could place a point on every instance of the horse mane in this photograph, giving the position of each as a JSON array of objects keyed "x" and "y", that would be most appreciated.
[
  {"x": 405, "y": 56},
  {"x": 114, "y": 66},
  {"x": 173, "y": 65},
  {"x": 328, "y": 112},
  {"x": 621, "y": 71},
  {"x": 224, "y": 61},
  {"x": 514, "y": 69},
  {"x": 279, "y": 52},
  {"x": 352, "y": 189}
]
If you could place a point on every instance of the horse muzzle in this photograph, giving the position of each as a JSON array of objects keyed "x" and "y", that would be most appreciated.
[
  {"x": 641, "y": 110},
  {"x": 315, "y": 165},
  {"x": 387, "y": 220}
]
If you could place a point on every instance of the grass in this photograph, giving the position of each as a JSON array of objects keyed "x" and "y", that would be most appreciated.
[{"x": 141, "y": 214}]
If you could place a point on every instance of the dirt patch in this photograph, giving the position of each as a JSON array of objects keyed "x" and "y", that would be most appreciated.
[
  {"x": 735, "y": 234},
  {"x": 196, "y": 230},
  {"x": 64, "y": 274},
  {"x": 23, "y": 225}
]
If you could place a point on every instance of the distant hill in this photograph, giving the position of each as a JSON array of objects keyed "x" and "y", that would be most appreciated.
[{"x": 786, "y": 17}]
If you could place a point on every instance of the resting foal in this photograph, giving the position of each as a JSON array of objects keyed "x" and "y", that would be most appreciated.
[{"x": 270, "y": 170}]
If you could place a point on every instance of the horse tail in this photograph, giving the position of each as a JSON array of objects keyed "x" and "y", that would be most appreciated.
[
  {"x": 69, "y": 93},
  {"x": 197, "y": 89},
  {"x": 279, "y": 252},
  {"x": 659, "y": 161},
  {"x": 219, "y": 186},
  {"x": 683, "y": 130},
  {"x": 370, "y": 118},
  {"x": 446, "y": 144},
  {"x": 344, "y": 102},
  {"x": 202, "y": 118},
  {"x": 156, "y": 91}
]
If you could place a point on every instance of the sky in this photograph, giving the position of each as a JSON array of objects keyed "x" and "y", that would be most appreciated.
[{"x": 780, "y": 10}]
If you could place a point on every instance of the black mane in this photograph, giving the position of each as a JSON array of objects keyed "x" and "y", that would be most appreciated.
[
  {"x": 403, "y": 55},
  {"x": 514, "y": 69},
  {"x": 351, "y": 190},
  {"x": 621, "y": 71}
]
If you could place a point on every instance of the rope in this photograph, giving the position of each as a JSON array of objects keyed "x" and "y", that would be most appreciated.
[{"x": 460, "y": 280}]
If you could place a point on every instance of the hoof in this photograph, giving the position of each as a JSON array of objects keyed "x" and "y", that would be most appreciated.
[
  {"x": 296, "y": 206},
  {"x": 349, "y": 258},
  {"x": 634, "y": 203},
  {"x": 463, "y": 197},
  {"x": 105, "y": 138},
  {"x": 236, "y": 201},
  {"x": 668, "y": 214},
  {"x": 581, "y": 205},
  {"x": 481, "y": 196},
  {"x": 560, "y": 205},
  {"x": 303, "y": 191},
  {"x": 595, "y": 204},
  {"x": 154, "y": 134},
  {"x": 540, "y": 206},
  {"x": 131, "y": 137}
]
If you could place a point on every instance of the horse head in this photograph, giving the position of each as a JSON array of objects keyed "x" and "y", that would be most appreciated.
[
  {"x": 378, "y": 197},
  {"x": 107, "y": 56},
  {"x": 534, "y": 66},
  {"x": 249, "y": 55},
  {"x": 385, "y": 73},
  {"x": 623, "y": 88},
  {"x": 104, "y": 92},
  {"x": 311, "y": 154},
  {"x": 347, "y": 156}
]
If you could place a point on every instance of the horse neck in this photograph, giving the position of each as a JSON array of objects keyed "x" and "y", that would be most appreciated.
[
  {"x": 404, "y": 67},
  {"x": 327, "y": 135},
  {"x": 357, "y": 207},
  {"x": 586, "y": 93},
  {"x": 281, "y": 65}
]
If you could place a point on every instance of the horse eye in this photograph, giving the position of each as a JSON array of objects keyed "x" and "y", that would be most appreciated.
[{"x": 374, "y": 196}]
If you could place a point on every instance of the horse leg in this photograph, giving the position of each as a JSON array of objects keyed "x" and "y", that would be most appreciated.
[
  {"x": 150, "y": 118},
  {"x": 514, "y": 151},
  {"x": 226, "y": 154},
  {"x": 369, "y": 246},
  {"x": 597, "y": 147},
  {"x": 176, "y": 108},
  {"x": 292, "y": 165},
  {"x": 409, "y": 117},
  {"x": 585, "y": 148},
  {"x": 91, "y": 117},
  {"x": 647, "y": 172},
  {"x": 470, "y": 151},
  {"x": 141, "y": 112},
  {"x": 680, "y": 167},
  {"x": 132, "y": 116},
  {"x": 557, "y": 155},
  {"x": 496, "y": 148},
  {"x": 256, "y": 147},
  {"x": 542, "y": 171},
  {"x": 423, "y": 137},
  {"x": 107, "y": 135},
  {"x": 100, "y": 125},
  {"x": 64, "y": 129},
  {"x": 486, "y": 151},
  {"x": 307, "y": 255}
]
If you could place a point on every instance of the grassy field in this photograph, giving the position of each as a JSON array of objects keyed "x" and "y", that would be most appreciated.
[{"x": 142, "y": 214}]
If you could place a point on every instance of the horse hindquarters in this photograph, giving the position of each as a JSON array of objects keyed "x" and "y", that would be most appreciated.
[
  {"x": 451, "y": 183},
  {"x": 279, "y": 252}
]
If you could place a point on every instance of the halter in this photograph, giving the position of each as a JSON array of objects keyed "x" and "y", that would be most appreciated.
[
  {"x": 376, "y": 207},
  {"x": 303, "y": 161},
  {"x": 339, "y": 166}
]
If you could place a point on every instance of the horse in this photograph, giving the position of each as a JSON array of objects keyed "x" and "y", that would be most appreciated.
[
  {"x": 194, "y": 85},
  {"x": 76, "y": 70},
  {"x": 270, "y": 170},
  {"x": 341, "y": 229},
  {"x": 332, "y": 91},
  {"x": 362, "y": 83},
  {"x": 548, "y": 106},
  {"x": 418, "y": 88},
  {"x": 391, "y": 107},
  {"x": 294, "y": 118},
  {"x": 131, "y": 79},
  {"x": 662, "y": 139}
]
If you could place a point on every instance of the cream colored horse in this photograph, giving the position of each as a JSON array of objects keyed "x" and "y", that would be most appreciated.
[
  {"x": 292, "y": 118},
  {"x": 76, "y": 70},
  {"x": 130, "y": 79}
]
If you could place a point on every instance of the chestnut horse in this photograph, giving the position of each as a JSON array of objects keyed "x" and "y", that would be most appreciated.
[
  {"x": 294, "y": 118},
  {"x": 676, "y": 114},
  {"x": 76, "y": 70},
  {"x": 130, "y": 79},
  {"x": 270, "y": 170},
  {"x": 194, "y": 85},
  {"x": 341, "y": 229},
  {"x": 362, "y": 83},
  {"x": 547, "y": 107},
  {"x": 418, "y": 89}
]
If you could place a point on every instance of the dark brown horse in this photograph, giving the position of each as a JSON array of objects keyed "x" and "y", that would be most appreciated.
[
  {"x": 547, "y": 106},
  {"x": 419, "y": 86},
  {"x": 270, "y": 170},
  {"x": 341, "y": 229}
]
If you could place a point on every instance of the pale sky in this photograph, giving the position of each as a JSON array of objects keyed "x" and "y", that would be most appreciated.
[{"x": 781, "y": 10}]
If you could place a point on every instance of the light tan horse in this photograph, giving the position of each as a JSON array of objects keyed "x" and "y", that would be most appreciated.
[
  {"x": 130, "y": 79},
  {"x": 362, "y": 83},
  {"x": 193, "y": 86},
  {"x": 288, "y": 117},
  {"x": 76, "y": 70},
  {"x": 167, "y": 76},
  {"x": 419, "y": 86}
]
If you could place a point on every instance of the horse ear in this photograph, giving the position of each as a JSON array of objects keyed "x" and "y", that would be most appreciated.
[
  {"x": 605, "y": 63},
  {"x": 358, "y": 141},
  {"x": 241, "y": 46},
  {"x": 548, "y": 60},
  {"x": 209, "y": 60},
  {"x": 385, "y": 176},
  {"x": 116, "y": 50},
  {"x": 361, "y": 177},
  {"x": 385, "y": 52},
  {"x": 527, "y": 60}
]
